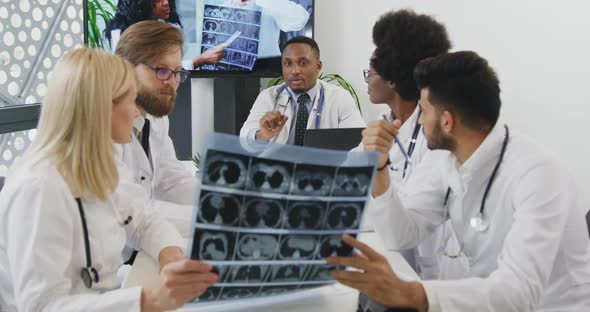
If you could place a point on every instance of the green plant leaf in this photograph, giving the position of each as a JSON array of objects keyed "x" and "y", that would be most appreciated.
[
  {"x": 98, "y": 9},
  {"x": 197, "y": 160}
]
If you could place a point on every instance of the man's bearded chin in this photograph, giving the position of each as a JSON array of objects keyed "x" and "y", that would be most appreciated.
[{"x": 154, "y": 105}]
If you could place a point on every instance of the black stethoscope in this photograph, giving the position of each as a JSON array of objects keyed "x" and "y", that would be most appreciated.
[
  {"x": 320, "y": 107},
  {"x": 480, "y": 222},
  {"x": 89, "y": 274}
]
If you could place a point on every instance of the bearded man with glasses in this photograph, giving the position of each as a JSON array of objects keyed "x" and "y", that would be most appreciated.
[{"x": 148, "y": 167}]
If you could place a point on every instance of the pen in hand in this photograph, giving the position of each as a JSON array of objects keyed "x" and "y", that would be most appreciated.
[{"x": 401, "y": 147}]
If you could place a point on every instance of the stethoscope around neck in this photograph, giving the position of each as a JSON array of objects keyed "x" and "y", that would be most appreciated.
[
  {"x": 480, "y": 222},
  {"x": 320, "y": 107},
  {"x": 89, "y": 274}
]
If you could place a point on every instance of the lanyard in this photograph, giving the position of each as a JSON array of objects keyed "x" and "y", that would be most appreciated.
[
  {"x": 320, "y": 107},
  {"x": 413, "y": 141}
]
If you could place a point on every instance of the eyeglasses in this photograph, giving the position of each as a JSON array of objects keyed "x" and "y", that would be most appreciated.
[
  {"x": 367, "y": 73},
  {"x": 163, "y": 73}
]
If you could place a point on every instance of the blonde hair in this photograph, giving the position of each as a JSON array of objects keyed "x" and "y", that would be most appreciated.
[{"x": 74, "y": 130}]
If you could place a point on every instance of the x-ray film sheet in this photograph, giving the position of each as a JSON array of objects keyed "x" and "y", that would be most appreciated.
[{"x": 267, "y": 215}]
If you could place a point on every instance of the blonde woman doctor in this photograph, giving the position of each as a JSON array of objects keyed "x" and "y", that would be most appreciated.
[{"x": 63, "y": 225}]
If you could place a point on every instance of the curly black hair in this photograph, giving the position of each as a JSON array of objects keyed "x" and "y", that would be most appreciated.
[
  {"x": 130, "y": 12},
  {"x": 402, "y": 39},
  {"x": 464, "y": 83}
]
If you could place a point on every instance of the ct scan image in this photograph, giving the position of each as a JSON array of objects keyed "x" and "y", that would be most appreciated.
[
  {"x": 332, "y": 246},
  {"x": 225, "y": 169},
  {"x": 247, "y": 274},
  {"x": 288, "y": 272},
  {"x": 343, "y": 215},
  {"x": 294, "y": 247},
  {"x": 305, "y": 214},
  {"x": 219, "y": 24},
  {"x": 267, "y": 224},
  {"x": 257, "y": 246},
  {"x": 270, "y": 176},
  {"x": 219, "y": 208},
  {"x": 213, "y": 245},
  {"x": 258, "y": 212},
  {"x": 312, "y": 180},
  {"x": 353, "y": 181}
]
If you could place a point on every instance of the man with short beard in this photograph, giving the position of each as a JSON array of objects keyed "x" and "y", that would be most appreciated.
[
  {"x": 148, "y": 166},
  {"x": 281, "y": 114}
]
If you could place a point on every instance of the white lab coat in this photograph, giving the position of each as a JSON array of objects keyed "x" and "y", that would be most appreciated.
[
  {"x": 277, "y": 16},
  {"x": 421, "y": 258},
  {"x": 339, "y": 111},
  {"x": 164, "y": 182},
  {"x": 42, "y": 244},
  {"x": 405, "y": 136},
  {"x": 535, "y": 256}
]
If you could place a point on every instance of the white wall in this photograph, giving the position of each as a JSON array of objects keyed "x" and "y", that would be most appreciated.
[
  {"x": 201, "y": 111},
  {"x": 539, "y": 48}
]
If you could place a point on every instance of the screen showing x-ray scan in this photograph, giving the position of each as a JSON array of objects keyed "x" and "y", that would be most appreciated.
[
  {"x": 251, "y": 31},
  {"x": 267, "y": 216}
]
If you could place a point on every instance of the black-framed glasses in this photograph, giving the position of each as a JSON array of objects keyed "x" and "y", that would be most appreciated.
[
  {"x": 367, "y": 73},
  {"x": 163, "y": 73}
]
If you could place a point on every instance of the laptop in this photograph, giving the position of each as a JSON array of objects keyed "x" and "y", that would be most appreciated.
[{"x": 343, "y": 139}]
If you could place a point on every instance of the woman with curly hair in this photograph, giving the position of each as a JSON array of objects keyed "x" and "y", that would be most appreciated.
[
  {"x": 130, "y": 12},
  {"x": 402, "y": 39}
]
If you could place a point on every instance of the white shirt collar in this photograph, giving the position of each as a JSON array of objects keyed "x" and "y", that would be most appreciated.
[
  {"x": 138, "y": 123},
  {"x": 311, "y": 92},
  {"x": 407, "y": 128},
  {"x": 486, "y": 155}
]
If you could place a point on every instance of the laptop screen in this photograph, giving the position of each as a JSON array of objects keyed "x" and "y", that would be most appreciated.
[{"x": 343, "y": 139}]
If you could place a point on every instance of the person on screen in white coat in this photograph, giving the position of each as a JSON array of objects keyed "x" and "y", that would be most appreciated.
[
  {"x": 64, "y": 223},
  {"x": 277, "y": 16},
  {"x": 129, "y": 12},
  {"x": 148, "y": 165},
  {"x": 519, "y": 240},
  {"x": 281, "y": 113}
]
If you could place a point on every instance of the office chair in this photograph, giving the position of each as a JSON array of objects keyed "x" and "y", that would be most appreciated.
[{"x": 1, "y": 183}]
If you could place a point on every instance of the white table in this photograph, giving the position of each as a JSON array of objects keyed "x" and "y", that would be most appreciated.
[{"x": 327, "y": 298}]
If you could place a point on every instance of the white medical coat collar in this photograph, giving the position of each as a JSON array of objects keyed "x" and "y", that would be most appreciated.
[
  {"x": 311, "y": 92},
  {"x": 486, "y": 155},
  {"x": 407, "y": 127},
  {"x": 139, "y": 121}
]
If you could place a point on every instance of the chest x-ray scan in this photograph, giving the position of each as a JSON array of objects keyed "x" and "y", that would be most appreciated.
[{"x": 266, "y": 219}]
